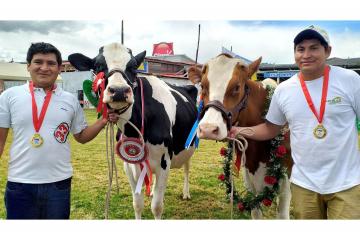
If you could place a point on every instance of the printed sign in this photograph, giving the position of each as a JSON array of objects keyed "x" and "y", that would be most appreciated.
[{"x": 163, "y": 48}]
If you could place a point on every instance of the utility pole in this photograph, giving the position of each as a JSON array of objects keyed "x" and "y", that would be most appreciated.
[
  {"x": 197, "y": 49},
  {"x": 122, "y": 32}
]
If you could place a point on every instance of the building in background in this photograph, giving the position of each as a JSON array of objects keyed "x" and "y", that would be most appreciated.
[
  {"x": 282, "y": 72},
  {"x": 169, "y": 68},
  {"x": 14, "y": 74},
  {"x": 164, "y": 64}
]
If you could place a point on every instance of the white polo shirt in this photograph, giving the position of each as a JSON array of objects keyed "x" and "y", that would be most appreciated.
[
  {"x": 51, "y": 161},
  {"x": 331, "y": 164}
]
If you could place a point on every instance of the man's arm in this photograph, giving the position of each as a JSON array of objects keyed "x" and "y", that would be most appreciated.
[
  {"x": 261, "y": 132},
  {"x": 3, "y": 136},
  {"x": 92, "y": 131}
]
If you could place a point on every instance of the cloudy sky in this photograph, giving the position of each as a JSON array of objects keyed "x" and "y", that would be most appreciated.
[
  {"x": 270, "y": 39},
  {"x": 66, "y": 24}
]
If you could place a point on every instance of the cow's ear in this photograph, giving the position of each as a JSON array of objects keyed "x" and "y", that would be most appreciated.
[
  {"x": 81, "y": 62},
  {"x": 140, "y": 58},
  {"x": 254, "y": 66},
  {"x": 194, "y": 74}
]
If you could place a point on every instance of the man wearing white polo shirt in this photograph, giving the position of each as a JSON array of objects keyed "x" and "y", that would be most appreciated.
[
  {"x": 320, "y": 104},
  {"x": 41, "y": 116}
]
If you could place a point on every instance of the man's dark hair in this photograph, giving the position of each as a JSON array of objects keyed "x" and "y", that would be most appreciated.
[
  {"x": 44, "y": 48},
  {"x": 322, "y": 42}
]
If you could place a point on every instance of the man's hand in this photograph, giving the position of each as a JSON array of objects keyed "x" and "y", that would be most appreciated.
[
  {"x": 233, "y": 132},
  {"x": 113, "y": 117},
  {"x": 261, "y": 132},
  {"x": 244, "y": 131}
]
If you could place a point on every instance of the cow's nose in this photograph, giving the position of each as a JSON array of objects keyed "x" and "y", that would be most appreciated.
[
  {"x": 119, "y": 94},
  {"x": 208, "y": 131}
]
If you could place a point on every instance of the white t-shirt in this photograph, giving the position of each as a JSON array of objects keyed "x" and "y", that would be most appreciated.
[
  {"x": 331, "y": 164},
  {"x": 51, "y": 161}
]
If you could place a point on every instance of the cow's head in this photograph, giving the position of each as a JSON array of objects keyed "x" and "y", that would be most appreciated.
[
  {"x": 224, "y": 91},
  {"x": 119, "y": 67}
]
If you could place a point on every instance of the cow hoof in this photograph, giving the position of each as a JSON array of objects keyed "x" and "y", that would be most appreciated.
[{"x": 186, "y": 197}]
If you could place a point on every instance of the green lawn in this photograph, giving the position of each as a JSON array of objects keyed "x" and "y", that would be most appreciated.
[{"x": 90, "y": 183}]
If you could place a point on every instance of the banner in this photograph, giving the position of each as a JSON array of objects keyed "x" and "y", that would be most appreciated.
[{"x": 163, "y": 48}]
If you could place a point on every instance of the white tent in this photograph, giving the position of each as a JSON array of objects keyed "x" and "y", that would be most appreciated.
[
  {"x": 16, "y": 72},
  {"x": 13, "y": 74}
]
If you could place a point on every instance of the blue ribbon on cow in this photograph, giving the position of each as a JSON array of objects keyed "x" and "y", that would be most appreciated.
[{"x": 192, "y": 133}]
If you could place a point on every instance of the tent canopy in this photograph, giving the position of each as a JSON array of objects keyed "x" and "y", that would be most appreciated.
[{"x": 16, "y": 71}]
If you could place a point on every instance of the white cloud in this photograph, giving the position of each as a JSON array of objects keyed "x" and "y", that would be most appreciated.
[{"x": 248, "y": 39}]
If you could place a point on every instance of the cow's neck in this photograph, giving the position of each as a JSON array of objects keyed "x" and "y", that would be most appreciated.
[
  {"x": 136, "y": 115},
  {"x": 252, "y": 114}
]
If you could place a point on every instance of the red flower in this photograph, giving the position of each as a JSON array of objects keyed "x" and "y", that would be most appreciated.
[
  {"x": 221, "y": 177},
  {"x": 267, "y": 202},
  {"x": 223, "y": 151},
  {"x": 280, "y": 151},
  {"x": 270, "y": 180},
  {"x": 241, "y": 207},
  {"x": 287, "y": 135}
]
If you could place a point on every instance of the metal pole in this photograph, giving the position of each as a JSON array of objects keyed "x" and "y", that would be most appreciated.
[
  {"x": 122, "y": 32},
  {"x": 197, "y": 49}
]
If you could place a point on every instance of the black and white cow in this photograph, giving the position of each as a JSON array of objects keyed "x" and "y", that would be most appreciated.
[{"x": 170, "y": 112}]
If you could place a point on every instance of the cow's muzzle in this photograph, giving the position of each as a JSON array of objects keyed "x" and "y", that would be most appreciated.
[
  {"x": 227, "y": 115},
  {"x": 119, "y": 94}
]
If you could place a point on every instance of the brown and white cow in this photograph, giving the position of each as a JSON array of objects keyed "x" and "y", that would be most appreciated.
[
  {"x": 225, "y": 84},
  {"x": 168, "y": 115}
]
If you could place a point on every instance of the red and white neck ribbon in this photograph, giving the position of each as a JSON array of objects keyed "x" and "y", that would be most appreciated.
[
  {"x": 145, "y": 175},
  {"x": 99, "y": 85}
]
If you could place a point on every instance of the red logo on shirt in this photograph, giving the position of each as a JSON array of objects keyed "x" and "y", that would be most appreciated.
[{"x": 61, "y": 132}]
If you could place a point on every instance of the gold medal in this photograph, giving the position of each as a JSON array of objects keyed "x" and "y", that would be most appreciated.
[
  {"x": 320, "y": 131},
  {"x": 36, "y": 140}
]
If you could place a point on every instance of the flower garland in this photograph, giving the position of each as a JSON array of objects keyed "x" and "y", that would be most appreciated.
[{"x": 246, "y": 201}]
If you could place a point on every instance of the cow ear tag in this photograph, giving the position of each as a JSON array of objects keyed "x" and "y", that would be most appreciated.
[{"x": 131, "y": 150}]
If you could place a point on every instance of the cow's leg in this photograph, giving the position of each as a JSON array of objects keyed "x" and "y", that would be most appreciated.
[
  {"x": 133, "y": 172},
  {"x": 250, "y": 181},
  {"x": 284, "y": 199},
  {"x": 152, "y": 187},
  {"x": 157, "y": 203},
  {"x": 186, "y": 191}
]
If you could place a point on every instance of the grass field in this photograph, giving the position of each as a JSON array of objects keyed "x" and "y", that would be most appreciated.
[{"x": 90, "y": 183}]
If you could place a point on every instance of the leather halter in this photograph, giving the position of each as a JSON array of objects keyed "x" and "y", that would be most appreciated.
[
  {"x": 227, "y": 115},
  {"x": 133, "y": 84}
]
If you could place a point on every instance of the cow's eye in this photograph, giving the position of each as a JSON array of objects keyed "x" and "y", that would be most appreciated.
[{"x": 236, "y": 89}]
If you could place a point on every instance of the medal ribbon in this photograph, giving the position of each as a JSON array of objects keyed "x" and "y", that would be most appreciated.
[
  {"x": 37, "y": 121},
  {"x": 323, "y": 96}
]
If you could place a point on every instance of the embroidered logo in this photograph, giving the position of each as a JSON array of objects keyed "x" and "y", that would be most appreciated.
[
  {"x": 61, "y": 132},
  {"x": 335, "y": 100}
]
